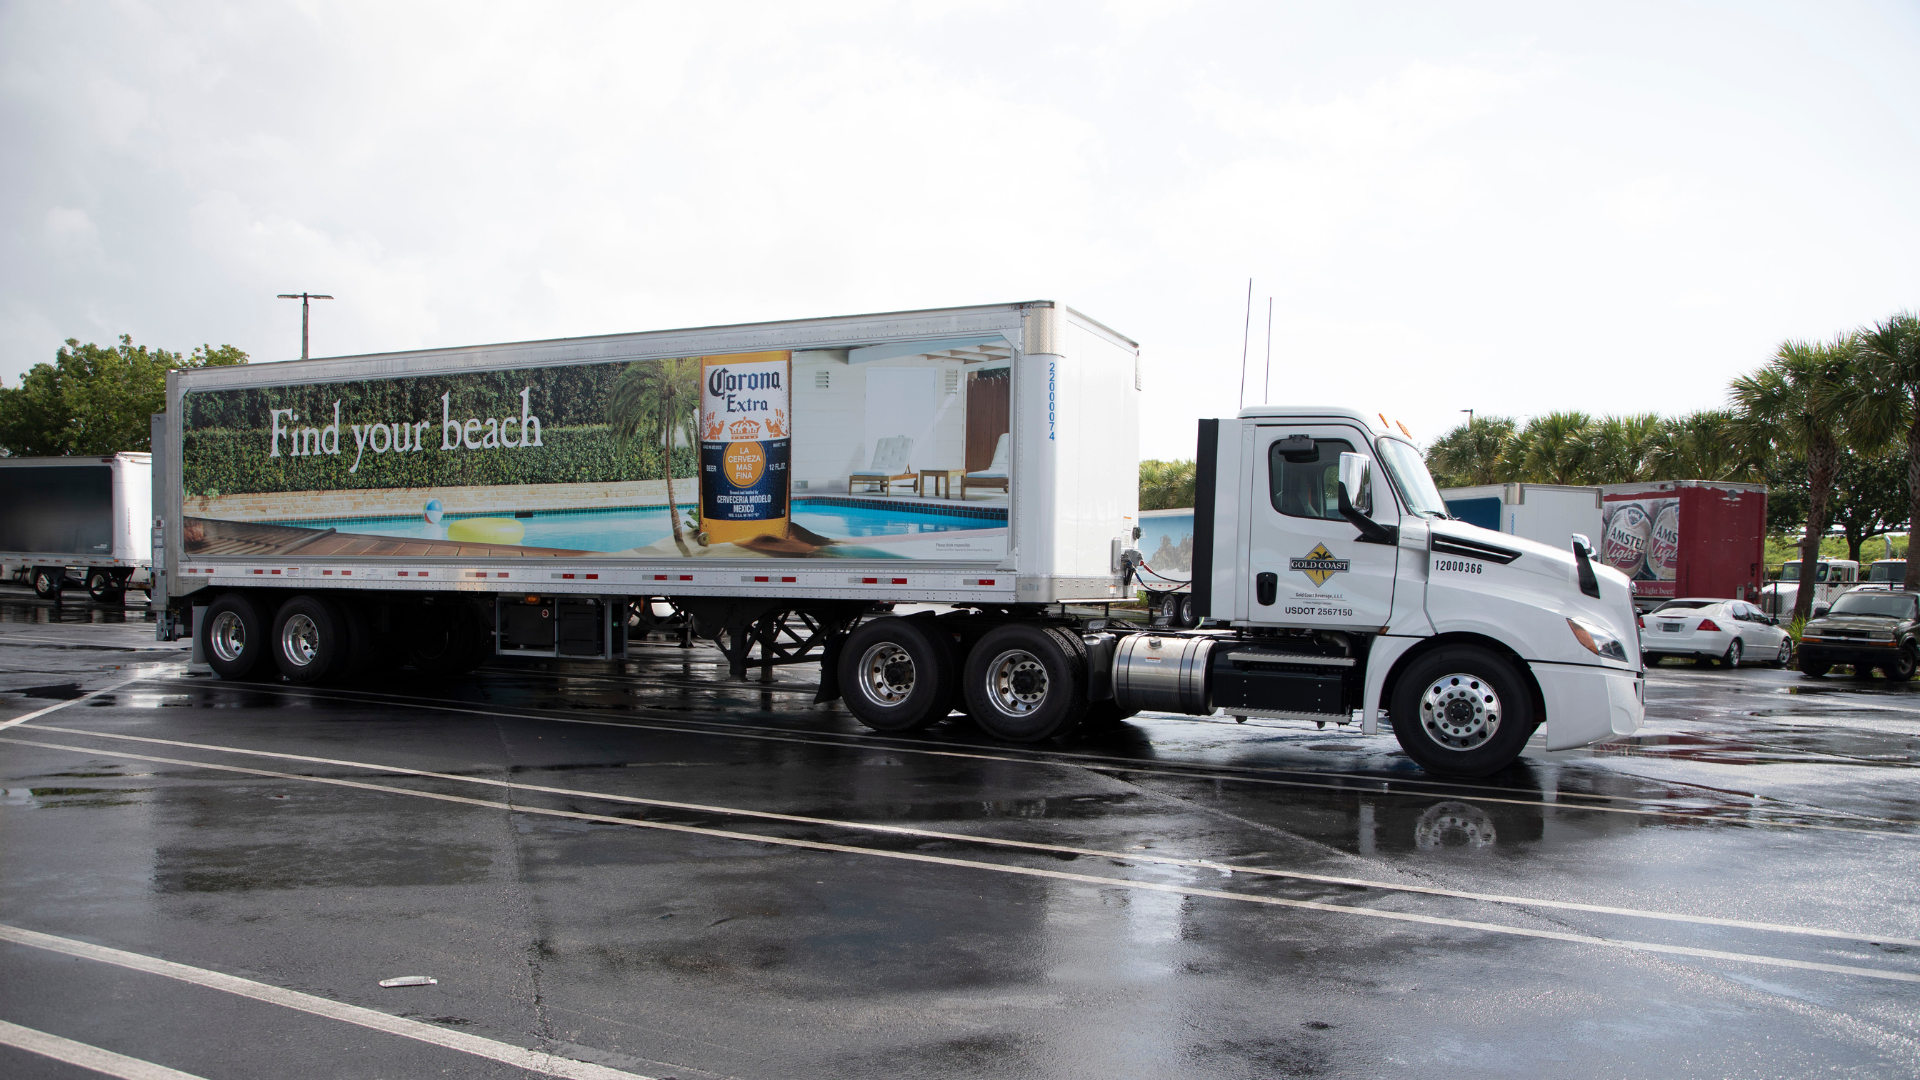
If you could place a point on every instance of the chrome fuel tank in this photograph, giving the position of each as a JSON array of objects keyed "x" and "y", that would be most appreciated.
[{"x": 1163, "y": 673}]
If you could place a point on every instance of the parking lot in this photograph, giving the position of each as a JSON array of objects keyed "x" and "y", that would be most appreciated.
[{"x": 640, "y": 868}]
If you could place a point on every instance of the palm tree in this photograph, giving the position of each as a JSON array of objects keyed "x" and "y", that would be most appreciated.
[
  {"x": 1706, "y": 445},
  {"x": 1798, "y": 401},
  {"x": 1886, "y": 399},
  {"x": 1623, "y": 449},
  {"x": 1166, "y": 485},
  {"x": 1554, "y": 449},
  {"x": 656, "y": 401},
  {"x": 1474, "y": 453}
]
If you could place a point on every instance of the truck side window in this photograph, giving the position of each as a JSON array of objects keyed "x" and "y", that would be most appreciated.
[{"x": 1308, "y": 489}]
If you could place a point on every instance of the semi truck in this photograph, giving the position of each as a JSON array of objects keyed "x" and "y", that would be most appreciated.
[
  {"x": 83, "y": 520},
  {"x": 1696, "y": 538},
  {"x": 935, "y": 507}
]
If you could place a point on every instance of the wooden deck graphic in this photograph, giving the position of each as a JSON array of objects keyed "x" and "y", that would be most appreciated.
[{"x": 208, "y": 536}]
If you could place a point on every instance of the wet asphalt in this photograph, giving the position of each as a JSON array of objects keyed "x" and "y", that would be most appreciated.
[{"x": 648, "y": 868}]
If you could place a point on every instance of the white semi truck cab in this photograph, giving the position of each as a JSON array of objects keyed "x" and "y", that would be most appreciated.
[{"x": 1334, "y": 584}]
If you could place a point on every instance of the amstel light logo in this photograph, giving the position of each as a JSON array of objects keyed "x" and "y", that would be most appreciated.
[{"x": 1319, "y": 565}]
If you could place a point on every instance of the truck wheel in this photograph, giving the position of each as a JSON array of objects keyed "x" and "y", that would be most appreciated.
[
  {"x": 233, "y": 637},
  {"x": 1026, "y": 683},
  {"x": 896, "y": 675},
  {"x": 309, "y": 640},
  {"x": 1462, "y": 711},
  {"x": 47, "y": 580},
  {"x": 1901, "y": 670},
  {"x": 1188, "y": 619},
  {"x": 105, "y": 587},
  {"x": 1814, "y": 668}
]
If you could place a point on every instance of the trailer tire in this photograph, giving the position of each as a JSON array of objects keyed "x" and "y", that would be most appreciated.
[
  {"x": 1027, "y": 683},
  {"x": 897, "y": 674},
  {"x": 47, "y": 581},
  {"x": 363, "y": 653},
  {"x": 310, "y": 640},
  {"x": 105, "y": 587},
  {"x": 1462, "y": 711},
  {"x": 233, "y": 637}
]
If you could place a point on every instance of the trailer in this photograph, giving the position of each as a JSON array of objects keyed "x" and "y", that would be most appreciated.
[
  {"x": 77, "y": 520},
  {"x": 1166, "y": 566},
  {"x": 1698, "y": 538},
  {"x": 779, "y": 489},
  {"x": 1547, "y": 513}
]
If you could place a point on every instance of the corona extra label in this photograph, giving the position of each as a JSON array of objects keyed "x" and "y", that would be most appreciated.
[{"x": 745, "y": 445}]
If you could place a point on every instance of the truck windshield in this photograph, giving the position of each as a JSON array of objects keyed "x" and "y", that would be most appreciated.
[
  {"x": 1888, "y": 570},
  {"x": 1410, "y": 475},
  {"x": 1791, "y": 572},
  {"x": 1891, "y": 604}
]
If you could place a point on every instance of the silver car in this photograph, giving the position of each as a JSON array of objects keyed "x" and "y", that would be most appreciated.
[{"x": 1729, "y": 631}]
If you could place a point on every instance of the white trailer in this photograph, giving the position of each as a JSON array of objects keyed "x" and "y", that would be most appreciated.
[
  {"x": 780, "y": 486},
  {"x": 1546, "y": 513},
  {"x": 77, "y": 519}
]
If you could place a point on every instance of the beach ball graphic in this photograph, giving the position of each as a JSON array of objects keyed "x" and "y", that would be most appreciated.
[
  {"x": 1628, "y": 531},
  {"x": 433, "y": 512}
]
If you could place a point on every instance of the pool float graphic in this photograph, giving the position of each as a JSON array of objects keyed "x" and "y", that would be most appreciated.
[{"x": 486, "y": 530}]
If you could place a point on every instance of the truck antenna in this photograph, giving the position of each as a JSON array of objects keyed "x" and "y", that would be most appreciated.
[
  {"x": 304, "y": 309},
  {"x": 1246, "y": 331},
  {"x": 1266, "y": 396}
]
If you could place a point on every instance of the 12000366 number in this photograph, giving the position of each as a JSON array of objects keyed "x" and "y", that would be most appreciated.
[{"x": 1458, "y": 566}]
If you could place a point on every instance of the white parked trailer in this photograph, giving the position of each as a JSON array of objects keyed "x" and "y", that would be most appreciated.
[
  {"x": 85, "y": 518},
  {"x": 1547, "y": 513},
  {"x": 780, "y": 486}
]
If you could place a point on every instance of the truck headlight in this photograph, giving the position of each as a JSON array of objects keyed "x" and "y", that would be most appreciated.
[{"x": 1598, "y": 640}]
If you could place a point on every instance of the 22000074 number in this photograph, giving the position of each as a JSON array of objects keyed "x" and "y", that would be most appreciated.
[{"x": 1459, "y": 566}]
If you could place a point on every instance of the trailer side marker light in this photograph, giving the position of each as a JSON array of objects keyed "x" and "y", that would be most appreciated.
[
  {"x": 346, "y": 573},
  {"x": 760, "y": 577},
  {"x": 686, "y": 577},
  {"x": 984, "y": 581},
  {"x": 567, "y": 577},
  {"x": 788, "y": 579},
  {"x": 659, "y": 577},
  {"x": 899, "y": 581},
  {"x": 274, "y": 571},
  {"x": 403, "y": 573},
  {"x": 593, "y": 577},
  {"x": 326, "y": 573},
  {"x": 259, "y": 571},
  {"x": 863, "y": 581}
]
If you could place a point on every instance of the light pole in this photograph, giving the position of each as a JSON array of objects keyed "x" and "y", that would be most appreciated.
[
  {"x": 304, "y": 309},
  {"x": 1469, "y": 413}
]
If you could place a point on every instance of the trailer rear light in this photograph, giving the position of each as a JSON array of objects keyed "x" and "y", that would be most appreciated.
[{"x": 1709, "y": 626}]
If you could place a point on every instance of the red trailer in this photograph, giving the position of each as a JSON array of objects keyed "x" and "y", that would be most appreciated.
[{"x": 1686, "y": 538}]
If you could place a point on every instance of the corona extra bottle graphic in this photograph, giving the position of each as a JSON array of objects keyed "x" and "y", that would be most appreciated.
[{"x": 745, "y": 445}]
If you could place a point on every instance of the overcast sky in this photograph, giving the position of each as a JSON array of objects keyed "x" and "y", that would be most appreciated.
[{"x": 1501, "y": 207}]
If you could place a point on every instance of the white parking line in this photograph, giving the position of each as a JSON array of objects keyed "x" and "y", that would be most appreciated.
[
  {"x": 85, "y": 1056},
  {"x": 998, "y": 868},
  {"x": 1023, "y": 845},
  {"x": 505, "y": 1053},
  {"x": 70, "y": 701}
]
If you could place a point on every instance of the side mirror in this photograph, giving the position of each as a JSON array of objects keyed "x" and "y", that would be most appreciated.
[
  {"x": 1354, "y": 473},
  {"x": 1355, "y": 493}
]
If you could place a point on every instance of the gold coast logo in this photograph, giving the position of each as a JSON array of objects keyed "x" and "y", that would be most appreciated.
[{"x": 1319, "y": 565}]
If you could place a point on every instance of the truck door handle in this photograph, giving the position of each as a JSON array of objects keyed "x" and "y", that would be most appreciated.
[{"x": 1265, "y": 586}]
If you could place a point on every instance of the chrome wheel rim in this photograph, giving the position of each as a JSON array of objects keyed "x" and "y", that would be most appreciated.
[
  {"x": 1460, "y": 712},
  {"x": 1017, "y": 682},
  {"x": 1733, "y": 654},
  {"x": 227, "y": 637},
  {"x": 886, "y": 674},
  {"x": 1786, "y": 653},
  {"x": 300, "y": 640}
]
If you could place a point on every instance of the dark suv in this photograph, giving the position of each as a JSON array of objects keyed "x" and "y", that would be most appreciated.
[{"x": 1868, "y": 630}]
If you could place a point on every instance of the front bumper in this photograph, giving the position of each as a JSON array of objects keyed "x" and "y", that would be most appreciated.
[
  {"x": 1857, "y": 653},
  {"x": 1586, "y": 704}
]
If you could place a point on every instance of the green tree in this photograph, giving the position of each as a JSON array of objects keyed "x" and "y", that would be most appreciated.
[
  {"x": 1870, "y": 497},
  {"x": 1555, "y": 448},
  {"x": 95, "y": 399},
  {"x": 1473, "y": 454},
  {"x": 655, "y": 401},
  {"x": 1796, "y": 402},
  {"x": 1886, "y": 399},
  {"x": 1711, "y": 444},
  {"x": 1166, "y": 485},
  {"x": 1624, "y": 449}
]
